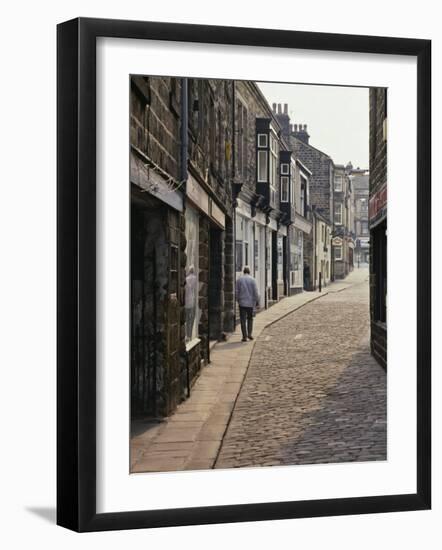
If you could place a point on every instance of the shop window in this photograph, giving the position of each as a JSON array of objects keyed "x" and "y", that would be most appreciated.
[
  {"x": 192, "y": 274},
  {"x": 380, "y": 272}
]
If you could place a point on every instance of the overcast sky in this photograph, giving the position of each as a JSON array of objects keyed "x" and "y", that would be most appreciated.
[{"x": 336, "y": 117}]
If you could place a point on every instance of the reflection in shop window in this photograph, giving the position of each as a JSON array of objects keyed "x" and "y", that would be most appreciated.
[{"x": 192, "y": 274}]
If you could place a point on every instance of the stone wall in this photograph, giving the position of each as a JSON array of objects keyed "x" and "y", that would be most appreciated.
[
  {"x": 321, "y": 166},
  {"x": 154, "y": 120}
]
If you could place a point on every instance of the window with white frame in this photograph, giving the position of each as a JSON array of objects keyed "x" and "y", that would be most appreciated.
[
  {"x": 273, "y": 167},
  {"x": 262, "y": 141},
  {"x": 303, "y": 195},
  {"x": 284, "y": 169},
  {"x": 262, "y": 166},
  {"x": 293, "y": 187},
  {"x": 338, "y": 183},
  {"x": 338, "y": 213},
  {"x": 284, "y": 189},
  {"x": 337, "y": 251},
  {"x": 262, "y": 158}
]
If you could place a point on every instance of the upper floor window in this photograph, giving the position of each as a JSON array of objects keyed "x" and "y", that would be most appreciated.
[
  {"x": 262, "y": 165},
  {"x": 337, "y": 252},
  {"x": 338, "y": 183},
  {"x": 304, "y": 184},
  {"x": 241, "y": 140},
  {"x": 262, "y": 140},
  {"x": 284, "y": 169},
  {"x": 262, "y": 157},
  {"x": 293, "y": 187},
  {"x": 273, "y": 167},
  {"x": 284, "y": 189},
  {"x": 338, "y": 213},
  {"x": 274, "y": 154}
]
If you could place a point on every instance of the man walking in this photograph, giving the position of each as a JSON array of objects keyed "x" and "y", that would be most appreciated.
[{"x": 247, "y": 297}]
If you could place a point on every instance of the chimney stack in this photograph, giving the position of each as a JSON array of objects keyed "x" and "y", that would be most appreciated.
[{"x": 300, "y": 132}]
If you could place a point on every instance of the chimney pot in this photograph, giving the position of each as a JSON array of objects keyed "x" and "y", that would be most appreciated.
[
  {"x": 274, "y": 107},
  {"x": 295, "y": 127},
  {"x": 286, "y": 109},
  {"x": 279, "y": 108},
  {"x": 305, "y": 127}
]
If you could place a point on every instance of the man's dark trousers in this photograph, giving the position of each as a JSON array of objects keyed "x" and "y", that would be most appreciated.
[{"x": 246, "y": 317}]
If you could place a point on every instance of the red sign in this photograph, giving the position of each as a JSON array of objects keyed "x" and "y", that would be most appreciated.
[{"x": 378, "y": 202}]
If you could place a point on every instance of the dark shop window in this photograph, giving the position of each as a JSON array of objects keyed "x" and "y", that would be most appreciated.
[{"x": 380, "y": 271}]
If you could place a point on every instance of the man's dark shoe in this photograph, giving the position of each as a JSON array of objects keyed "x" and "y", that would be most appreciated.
[
  {"x": 250, "y": 337},
  {"x": 244, "y": 340}
]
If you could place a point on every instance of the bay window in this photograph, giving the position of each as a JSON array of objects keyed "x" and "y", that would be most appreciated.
[
  {"x": 273, "y": 168},
  {"x": 284, "y": 189},
  {"x": 338, "y": 183},
  {"x": 338, "y": 213}
]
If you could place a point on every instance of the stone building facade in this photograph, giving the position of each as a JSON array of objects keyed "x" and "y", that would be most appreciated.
[
  {"x": 360, "y": 181},
  {"x": 378, "y": 223},
  {"x": 218, "y": 180},
  {"x": 263, "y": 170},
  {"x": 343, "y": 222},
  {"x": 295, "y": 204},
  {"x": 182, "y": 293},
  {"x": 318, "y": 264}
]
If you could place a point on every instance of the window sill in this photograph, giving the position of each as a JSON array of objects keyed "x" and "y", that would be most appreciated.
[{"x": 192, "y": 343}]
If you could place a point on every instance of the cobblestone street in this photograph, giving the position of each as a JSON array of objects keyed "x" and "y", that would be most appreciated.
[
  {"x": 312, "y": 392},
  {"x": 306, "y": 390}
]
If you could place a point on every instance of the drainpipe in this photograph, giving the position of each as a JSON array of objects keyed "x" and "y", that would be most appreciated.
[
  {"x": 233, "y": 152},
  {"x": 184, "y": 140},
  {"x": 184, "y": 129}
]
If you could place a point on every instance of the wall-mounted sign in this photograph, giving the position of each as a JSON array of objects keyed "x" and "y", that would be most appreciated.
[{"x": 201, "y": 199}]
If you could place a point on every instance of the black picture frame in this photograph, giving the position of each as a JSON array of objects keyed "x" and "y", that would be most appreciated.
[{"x": 76, "y": 274}]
